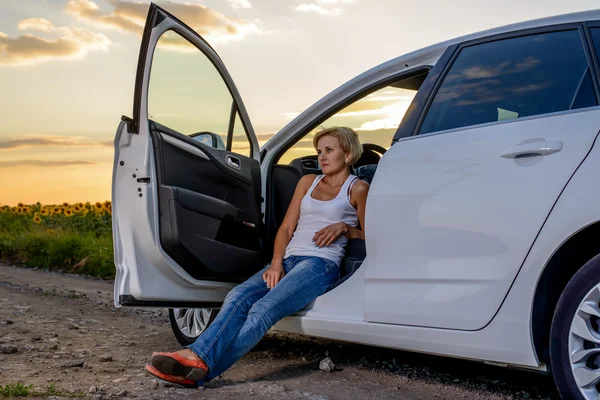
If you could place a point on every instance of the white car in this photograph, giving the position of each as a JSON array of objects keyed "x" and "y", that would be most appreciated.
[{"x": 482, "y": 221}]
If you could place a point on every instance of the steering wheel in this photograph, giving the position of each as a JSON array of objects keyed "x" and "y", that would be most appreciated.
[{"x": 372, "y": 153}]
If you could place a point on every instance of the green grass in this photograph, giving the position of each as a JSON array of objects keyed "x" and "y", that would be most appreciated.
[
  {"x": 18, "y": 389},
  {"x": 78, "y": 244},
  {"x": 60, "y": 251}
]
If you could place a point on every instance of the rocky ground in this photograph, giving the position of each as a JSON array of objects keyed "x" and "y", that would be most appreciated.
[{"x": 61, "y": 336}]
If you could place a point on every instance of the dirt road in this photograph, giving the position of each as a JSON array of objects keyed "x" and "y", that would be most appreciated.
[{"x": 61, "y": 334}]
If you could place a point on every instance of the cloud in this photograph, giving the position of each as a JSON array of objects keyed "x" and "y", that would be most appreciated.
[
  {"x": 42, "y": 163},
  {"x": 317, "y": 9},
  {"x": 36, "y": 24},
  {"x": 28, "y": 49},
  {"x": 323, "y": 7},
  {"x": 375, "y": 104},
  {"x": 235, "y": 4},
  {"x": 55, "y": 141},
  {"x": 291, "y": 114},
  {"x": 333, "y": 2},
  {"x": 130, "y": 16}
]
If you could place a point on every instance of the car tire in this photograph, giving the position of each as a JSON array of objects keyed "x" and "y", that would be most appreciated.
[
  {"x": 188, "y": 323},
  {"x": 575, "y": 330}
]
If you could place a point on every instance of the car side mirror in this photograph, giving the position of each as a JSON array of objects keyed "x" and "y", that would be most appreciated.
[{"x": 210, "y": 139}]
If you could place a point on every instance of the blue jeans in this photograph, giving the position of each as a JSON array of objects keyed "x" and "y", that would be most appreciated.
[{"x": 251, "y": 309}]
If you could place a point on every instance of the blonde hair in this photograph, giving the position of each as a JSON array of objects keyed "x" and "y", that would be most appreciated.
[{"x": 347, "y": 137}]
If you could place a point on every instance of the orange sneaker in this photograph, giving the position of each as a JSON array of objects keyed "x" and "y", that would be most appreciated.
[
  {"x": 174, "y": 364},
  {"x": 180, "y": 380}
]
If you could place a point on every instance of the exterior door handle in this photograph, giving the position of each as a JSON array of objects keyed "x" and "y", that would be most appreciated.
[
  {"x": 532, "y": 149},
  {"x": 233, "y": 162}
]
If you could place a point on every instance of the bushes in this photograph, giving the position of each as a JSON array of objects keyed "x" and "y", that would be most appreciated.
[{"x": 74, "y": 238}]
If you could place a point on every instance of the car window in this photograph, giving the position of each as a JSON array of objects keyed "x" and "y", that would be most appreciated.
[
  {"x": 375, "y": 118},
  {"x": 512, "y": 78},
  {"x": 187, "y": 94}
]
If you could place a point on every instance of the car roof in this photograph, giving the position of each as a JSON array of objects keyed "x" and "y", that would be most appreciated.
[{"x": 590, "y": 15}]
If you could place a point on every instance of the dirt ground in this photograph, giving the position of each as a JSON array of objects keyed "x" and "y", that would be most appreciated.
[{"x": 61, "y": 332}]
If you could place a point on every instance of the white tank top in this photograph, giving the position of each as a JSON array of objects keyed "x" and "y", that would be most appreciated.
[{"x": 317, "y": 214}]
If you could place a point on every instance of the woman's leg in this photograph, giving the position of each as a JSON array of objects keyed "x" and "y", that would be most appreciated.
[
  {"x": 211, "y": 344},
  {"x": 308, "y": 278}
]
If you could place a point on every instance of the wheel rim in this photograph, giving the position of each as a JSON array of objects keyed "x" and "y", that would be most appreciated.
[
  {"x": 584, "y": 345},
  {"x": 192, "y": 321}
]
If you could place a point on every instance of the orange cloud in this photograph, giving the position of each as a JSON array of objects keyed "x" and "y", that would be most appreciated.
[
  {"x": 130, "y": 16},
  {"x": 56, "y": 141},
  {"x": 39, "y": 24},
  {"x": 28, "y": 49},
  {"x": 42, "y": 163}
]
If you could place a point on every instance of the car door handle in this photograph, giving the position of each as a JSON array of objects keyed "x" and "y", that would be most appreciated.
[
  {"x": 233, "y": 162},
  {"x": 531, "y": 149}
]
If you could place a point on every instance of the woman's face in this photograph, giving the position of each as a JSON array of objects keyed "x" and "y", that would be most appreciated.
[{"x": 332, "y": 158}]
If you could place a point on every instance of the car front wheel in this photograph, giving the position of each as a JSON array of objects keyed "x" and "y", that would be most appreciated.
[
  {"x": 188, "y": 323},
  {"x": 575, "y": 335}
]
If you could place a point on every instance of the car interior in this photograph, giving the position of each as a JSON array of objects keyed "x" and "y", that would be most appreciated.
[
  {"x": 283, "y": 179},
  {"x": 210, "y": 220},
  {"x": 209, "y": 201}
]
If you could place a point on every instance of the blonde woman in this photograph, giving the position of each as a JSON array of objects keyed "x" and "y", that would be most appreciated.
[{"x": 323, "y": 214}]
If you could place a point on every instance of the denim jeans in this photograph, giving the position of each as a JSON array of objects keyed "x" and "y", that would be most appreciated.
[{"x": 250, "y": 309}]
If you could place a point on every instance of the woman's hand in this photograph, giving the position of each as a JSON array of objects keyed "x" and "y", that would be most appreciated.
[
  {"x": 273, "y": 275},
  {"x": 327, "y": 235}
]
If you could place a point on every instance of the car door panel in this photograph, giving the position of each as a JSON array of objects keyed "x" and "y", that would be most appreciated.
[
  {"x": 208, "y": 210},
  {"x": 445, "y": 259}
]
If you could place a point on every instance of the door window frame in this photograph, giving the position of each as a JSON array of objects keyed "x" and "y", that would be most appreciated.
[
  {"x": 354, "y": 97},
  {"x": 588, "y": 26},
  {"x": 423, "y": 102},
  {"x": 194, "y": 39}
]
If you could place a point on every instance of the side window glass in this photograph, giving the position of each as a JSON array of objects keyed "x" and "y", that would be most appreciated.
[
  {"x": 187, "y": 94},
  {"x": 375, "y": 117},
  {"x": 513, "y": 78}
]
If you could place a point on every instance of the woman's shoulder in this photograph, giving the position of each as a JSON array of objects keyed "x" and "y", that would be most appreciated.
[{"x": 359, "y": 187}]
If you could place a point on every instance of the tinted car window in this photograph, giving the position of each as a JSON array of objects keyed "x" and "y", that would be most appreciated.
[{"x": 512, "y": 78}]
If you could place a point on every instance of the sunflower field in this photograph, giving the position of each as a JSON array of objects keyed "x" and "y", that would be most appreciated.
[{"x": 69, "y": 237}]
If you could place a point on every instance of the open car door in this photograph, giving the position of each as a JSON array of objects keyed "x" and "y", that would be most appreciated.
[{"x": 186, "y": 178}]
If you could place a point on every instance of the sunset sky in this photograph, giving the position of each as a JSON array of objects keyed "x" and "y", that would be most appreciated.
[{"x": 67, "y": 70}]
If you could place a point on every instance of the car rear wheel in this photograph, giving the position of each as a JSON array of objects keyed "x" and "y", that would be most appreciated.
[
  {"x": 575, "y": 335},
  {"x": 188, "y": 323}
]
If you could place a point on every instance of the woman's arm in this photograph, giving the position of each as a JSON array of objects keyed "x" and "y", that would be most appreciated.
[
  {"x": 286, "y": 230},
  {"x": 358, "y": 199}
]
